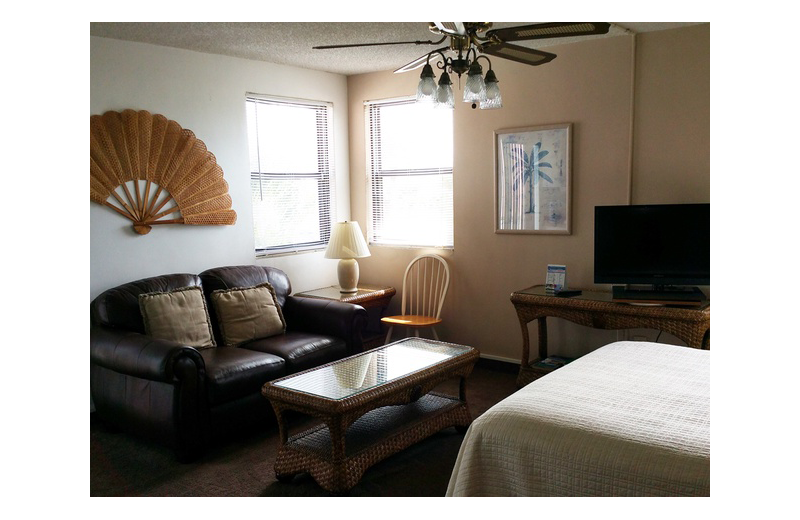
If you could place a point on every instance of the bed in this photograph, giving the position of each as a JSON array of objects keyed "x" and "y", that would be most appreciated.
[{"x": 628, "y": 419}]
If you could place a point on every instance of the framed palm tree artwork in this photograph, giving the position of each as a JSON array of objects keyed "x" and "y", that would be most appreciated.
[{"x": 532, "y": 179}]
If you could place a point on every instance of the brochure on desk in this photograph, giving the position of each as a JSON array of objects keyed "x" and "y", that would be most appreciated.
[{"x": 556, "y": 278}]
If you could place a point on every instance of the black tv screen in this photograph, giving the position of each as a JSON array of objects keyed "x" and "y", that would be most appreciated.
[{"x": 659, "y": 245}]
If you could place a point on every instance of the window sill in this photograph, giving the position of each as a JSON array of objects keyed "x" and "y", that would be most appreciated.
[{"x": 289, "y": 253}]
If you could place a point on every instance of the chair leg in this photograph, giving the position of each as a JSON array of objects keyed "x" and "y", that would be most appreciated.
[
  {"x": 416, "y": 333},
  {"x": 435, "y": 336}
]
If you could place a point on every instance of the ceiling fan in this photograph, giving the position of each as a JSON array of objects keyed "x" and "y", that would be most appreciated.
[
  {"x": 495, "y": 42},
  {"x": 470, "y": 41}
]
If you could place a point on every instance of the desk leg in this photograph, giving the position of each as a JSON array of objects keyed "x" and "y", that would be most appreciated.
[
  {"x": 526, "y": 343},
  {"x": 543, "y": 337},
  {"x": 524, "y": 376}
]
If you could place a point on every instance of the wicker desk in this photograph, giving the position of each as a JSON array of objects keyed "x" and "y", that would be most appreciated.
[
  {"x": 597, "y": 309},
  {"x": 373, "y": 298},
  {"x": 354, "y": 398}
]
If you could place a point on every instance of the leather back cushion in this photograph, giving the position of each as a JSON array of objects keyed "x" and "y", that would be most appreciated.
[
  {"x": 245, "y": 314},
  {"x": 180, "y": 315},
  {"x": 119, "y": 307},
  {"x": 232, "y": 277},
  {"x": 242, "y": 276}
]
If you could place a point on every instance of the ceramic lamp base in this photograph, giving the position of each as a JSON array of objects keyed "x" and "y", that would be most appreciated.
[{"x": 348, "y": 275}]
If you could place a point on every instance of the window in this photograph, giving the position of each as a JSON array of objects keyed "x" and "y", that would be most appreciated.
[
  {"x": 291, "y": 173},
  {"x": 410, "y": 174}
]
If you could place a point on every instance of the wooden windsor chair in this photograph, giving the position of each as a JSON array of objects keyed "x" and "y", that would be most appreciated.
[{"x": 425, "y": 285}]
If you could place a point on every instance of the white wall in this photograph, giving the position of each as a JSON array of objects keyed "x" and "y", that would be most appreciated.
[{"x": 205, "y": 94}]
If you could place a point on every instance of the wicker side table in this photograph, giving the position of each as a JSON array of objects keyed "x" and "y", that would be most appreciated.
[
  {"x": 375, "y": 299},
  {"x": 596, "y": 309}
]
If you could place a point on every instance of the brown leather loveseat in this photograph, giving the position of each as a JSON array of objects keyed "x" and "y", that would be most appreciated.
[{"x": 186, "y": 396}]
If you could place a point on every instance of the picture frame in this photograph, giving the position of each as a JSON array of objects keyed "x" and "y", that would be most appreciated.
[{"x": 533, "y": 179}]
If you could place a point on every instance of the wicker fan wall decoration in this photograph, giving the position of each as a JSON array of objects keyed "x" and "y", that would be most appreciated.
[{"x": 148, "y": 168}]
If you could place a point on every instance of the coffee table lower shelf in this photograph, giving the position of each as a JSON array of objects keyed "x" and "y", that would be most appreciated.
[{"x": 371, "y": 438}]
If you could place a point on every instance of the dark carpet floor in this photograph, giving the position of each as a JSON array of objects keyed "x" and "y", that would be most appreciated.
[{"x": 122, "y": 465}]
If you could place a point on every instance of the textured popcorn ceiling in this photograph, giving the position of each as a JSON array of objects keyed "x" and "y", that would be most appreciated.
[{"x": 291, "y": 43}]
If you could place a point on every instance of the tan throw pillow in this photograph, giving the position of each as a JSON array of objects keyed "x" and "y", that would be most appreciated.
[
  {"x": 245, "y": 314},
  {"x": 180, "y": 315}
]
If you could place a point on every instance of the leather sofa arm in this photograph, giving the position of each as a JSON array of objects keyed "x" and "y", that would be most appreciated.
[
  {"x": 139, "y": 355},
  {"x": 329, "y": 317}
]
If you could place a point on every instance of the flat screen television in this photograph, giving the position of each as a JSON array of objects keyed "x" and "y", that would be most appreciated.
[{"x": 666, "y": 247}]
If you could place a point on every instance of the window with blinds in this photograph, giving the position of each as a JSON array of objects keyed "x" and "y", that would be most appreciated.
[
  {"x": 291, "y": 173},
  {"x": 410, "y": 147}
]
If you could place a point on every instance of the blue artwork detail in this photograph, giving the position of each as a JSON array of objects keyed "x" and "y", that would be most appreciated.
[{"x": 533, "y": 180}]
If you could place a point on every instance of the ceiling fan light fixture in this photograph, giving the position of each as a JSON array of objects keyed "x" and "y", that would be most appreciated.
[
  {"x": 426, "y": 90},
  {"x": 444, "y": 92},
  {"x": 475, "y": 88},
  {"x": 493, "y": 97},
  {"x": 466, "y": 42}
]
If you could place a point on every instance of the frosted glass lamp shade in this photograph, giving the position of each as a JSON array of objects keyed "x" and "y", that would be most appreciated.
[
  {"x": 475, "y": 88},
  {"x": 426, "y": 90},
  {"x": 347, "y": 243},
  {"x": 493, "y": 97},
  {"x": 444, "y": 92}
]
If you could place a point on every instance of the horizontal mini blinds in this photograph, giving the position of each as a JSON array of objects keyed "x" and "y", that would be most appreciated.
[
  {"x": 410, "y": 174},
  {"x": 291, "y": 173}
]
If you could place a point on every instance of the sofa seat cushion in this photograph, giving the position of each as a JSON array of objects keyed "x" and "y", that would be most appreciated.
[
  {"x": 233, "y": 372},
  {"x": 301, "y": 350}
]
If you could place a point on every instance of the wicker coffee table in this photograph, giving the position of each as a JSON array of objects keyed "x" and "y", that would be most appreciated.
[{"x": 371, "y": 405}]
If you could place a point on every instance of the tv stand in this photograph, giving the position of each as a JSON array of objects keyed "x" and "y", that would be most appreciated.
[{"x": 658, "y": 294}]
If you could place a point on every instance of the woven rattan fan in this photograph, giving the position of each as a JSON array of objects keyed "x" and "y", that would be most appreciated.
[{"x": 147, "y": 168}]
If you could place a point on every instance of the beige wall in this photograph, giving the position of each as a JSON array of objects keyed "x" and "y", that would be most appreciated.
[
  {"x": 588, "y": 85},
  {"x": 641, "y": 145},
  {"x": 673, "y": 117}
]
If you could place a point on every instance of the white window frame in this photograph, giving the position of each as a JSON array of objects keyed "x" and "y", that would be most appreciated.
[
  {"x": 403, "y": 231},
  {"x": 325, "y": 173}
]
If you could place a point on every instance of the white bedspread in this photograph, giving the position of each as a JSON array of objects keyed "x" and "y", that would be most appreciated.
[{"x": 629, "y": 419}]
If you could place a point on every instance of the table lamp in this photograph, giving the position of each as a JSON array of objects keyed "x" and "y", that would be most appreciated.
[{"x": 347, "y": 243}]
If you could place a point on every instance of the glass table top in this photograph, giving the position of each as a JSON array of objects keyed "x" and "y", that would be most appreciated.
[
  {"x": 593, "y": 295},
  {"x": 359, "y": 373},
  {"x": 600, "y": 296},
  {"x": 334, "y": 293}
]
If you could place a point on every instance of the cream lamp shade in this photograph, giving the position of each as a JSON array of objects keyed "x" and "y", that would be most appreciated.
[{"x": 347, "y": 243}]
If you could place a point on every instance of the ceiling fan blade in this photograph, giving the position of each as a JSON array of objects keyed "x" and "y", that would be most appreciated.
[
  {"x": 343, "y": 46},
  {"x": 419, "y": 62},
  {"x": 548, "y": 30},
  {"x": 518, "y": 53},
  {"x": 456, "y": 28}
]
